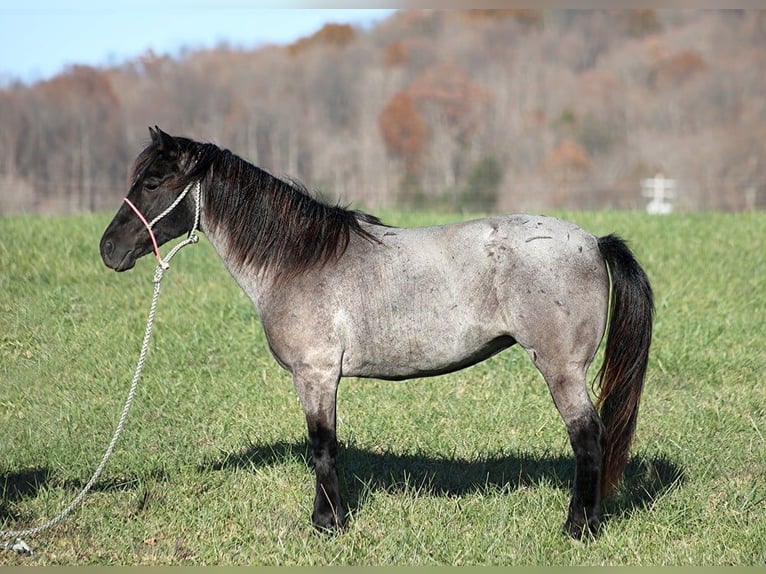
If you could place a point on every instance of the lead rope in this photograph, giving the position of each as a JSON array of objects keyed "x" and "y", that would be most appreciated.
[{"x": 13, "y": 539}]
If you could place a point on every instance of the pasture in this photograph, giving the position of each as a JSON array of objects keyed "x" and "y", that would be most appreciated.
[{"x": 469, "y": 468}]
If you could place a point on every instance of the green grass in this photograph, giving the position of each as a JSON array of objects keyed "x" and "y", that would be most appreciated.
[{"x": 471, "y": 468}]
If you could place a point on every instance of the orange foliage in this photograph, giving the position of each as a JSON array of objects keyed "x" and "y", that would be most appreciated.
[
  {"x": 329, "y": 34},
  {"x": 523, "y": 16},
  {"x": 396, "y": 55},
  {"x": 457, "y": 98},
  {"x": 404, "y": 131},
  {"x": 83, "y": 84},
  {"x": 676, "y": 69},
  {"x": 597, "y": 85},
  {"x": 567, "y": 159},
  {"x": 599, "y": 92}
]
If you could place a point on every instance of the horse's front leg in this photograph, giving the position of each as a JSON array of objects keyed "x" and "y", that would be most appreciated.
[
  {"x": 328, "y": 507},
  {"x": 317, "y": 392}
]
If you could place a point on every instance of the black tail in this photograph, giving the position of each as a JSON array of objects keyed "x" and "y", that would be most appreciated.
[{"x": 621, "y": 377}]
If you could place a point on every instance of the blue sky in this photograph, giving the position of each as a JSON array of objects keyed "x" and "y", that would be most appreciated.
[{"x": 38, "y": 38}]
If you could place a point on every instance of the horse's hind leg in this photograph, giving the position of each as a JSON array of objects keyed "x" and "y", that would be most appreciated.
[
  {"x": 317, "y": 393},
  {"x": 568, "y": 387}
]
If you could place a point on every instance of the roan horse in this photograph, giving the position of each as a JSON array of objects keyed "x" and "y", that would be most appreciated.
[{"x": 340, "y": 294}]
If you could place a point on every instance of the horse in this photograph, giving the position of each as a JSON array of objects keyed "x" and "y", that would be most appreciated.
[{"x": 340, "y": 294}]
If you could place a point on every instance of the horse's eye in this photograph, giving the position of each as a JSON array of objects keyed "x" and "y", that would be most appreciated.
[{"x": 151, "y": 184}]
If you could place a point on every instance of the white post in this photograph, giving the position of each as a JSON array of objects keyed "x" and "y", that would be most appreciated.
[{"x": 660, "y": 191}]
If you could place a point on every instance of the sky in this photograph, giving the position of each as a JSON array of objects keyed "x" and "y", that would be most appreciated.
[{"x": 39, "y": 38}]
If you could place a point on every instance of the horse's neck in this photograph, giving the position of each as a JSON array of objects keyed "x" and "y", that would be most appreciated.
[{"x": 252, "y": 282}]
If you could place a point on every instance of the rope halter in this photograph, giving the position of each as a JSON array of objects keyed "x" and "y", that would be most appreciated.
[{"x": 192, "y": 237}]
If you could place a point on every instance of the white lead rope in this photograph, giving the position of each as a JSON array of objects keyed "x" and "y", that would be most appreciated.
[{"x": 13, "y": 539}]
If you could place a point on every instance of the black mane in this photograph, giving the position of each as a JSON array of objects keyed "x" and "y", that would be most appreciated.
[{"x": 273, "y": 224}]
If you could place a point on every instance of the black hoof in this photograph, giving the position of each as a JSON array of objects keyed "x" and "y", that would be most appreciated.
[
  {"x": 583, "y": 530},
  {"x": 328, "y": 521}
]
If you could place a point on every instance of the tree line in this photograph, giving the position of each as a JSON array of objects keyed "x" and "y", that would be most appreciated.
[{"x": 474, "y": 110}]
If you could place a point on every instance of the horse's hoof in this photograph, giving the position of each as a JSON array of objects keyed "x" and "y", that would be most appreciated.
[
  {"x": 328, "y": 522},
  {"x": 581, "y": 530}
]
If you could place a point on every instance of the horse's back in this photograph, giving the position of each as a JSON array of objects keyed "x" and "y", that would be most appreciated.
[{"x": 518, "y": 249}]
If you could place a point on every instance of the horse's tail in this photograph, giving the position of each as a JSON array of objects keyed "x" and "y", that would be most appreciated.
[{"x": 621, "y": 377}]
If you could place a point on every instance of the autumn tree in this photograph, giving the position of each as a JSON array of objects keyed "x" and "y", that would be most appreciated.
[
  {"x": 404, "y": 131},
  {"x": 67, "y": 140},
  {"x": 566, "y": 164},
  {"x": 675, "y": 69},
  {"x": 16, "y": 187},
  {"x": 456, "y": 98},
  {"x": 454, "y": 106},
  {"x": 84, "y": 136},
  {"x": 329, "y": 34}
]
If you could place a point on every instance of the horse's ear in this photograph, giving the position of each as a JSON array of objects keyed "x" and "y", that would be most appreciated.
[{"x": 164, "y": 142}]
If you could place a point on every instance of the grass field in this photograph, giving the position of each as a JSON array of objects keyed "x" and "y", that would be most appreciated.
[{"x": 471, "y": 468}]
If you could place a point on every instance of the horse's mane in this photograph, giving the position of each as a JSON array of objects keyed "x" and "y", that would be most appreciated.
[{"x": 273, "y": 224}]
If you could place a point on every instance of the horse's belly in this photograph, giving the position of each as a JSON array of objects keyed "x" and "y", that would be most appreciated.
[{"x": 421, "y": 351}]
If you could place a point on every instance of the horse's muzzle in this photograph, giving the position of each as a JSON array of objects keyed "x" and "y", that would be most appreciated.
[{"x": 116, "y": 256}]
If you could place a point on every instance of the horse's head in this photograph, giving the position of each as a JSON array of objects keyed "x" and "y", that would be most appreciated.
[{"x": 158, "y": 179}]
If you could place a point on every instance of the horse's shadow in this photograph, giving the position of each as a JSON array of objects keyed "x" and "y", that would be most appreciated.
[
  {"x": 15, "y": 486},
  {"x": 19, "y": 485},
  {"x": 646, "y": 478}
]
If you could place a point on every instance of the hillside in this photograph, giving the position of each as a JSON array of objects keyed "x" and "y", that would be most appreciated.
[{"x": 482, "y": 110}]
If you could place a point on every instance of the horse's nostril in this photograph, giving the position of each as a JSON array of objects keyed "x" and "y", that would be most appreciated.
[{"x": 108, "y": 247}]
